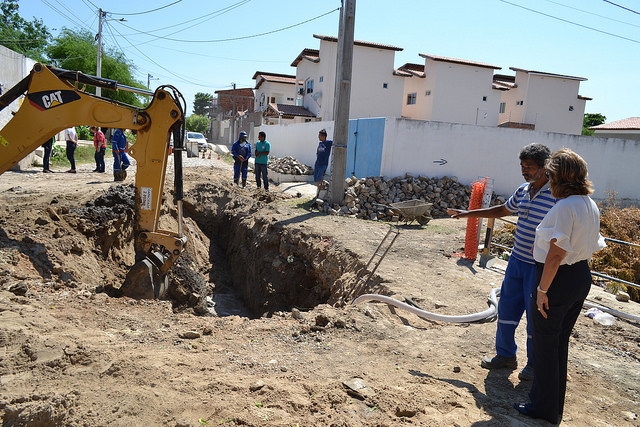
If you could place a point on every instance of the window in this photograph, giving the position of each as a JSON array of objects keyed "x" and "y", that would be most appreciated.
[
  {"x": 321, "y": 79},
  {"x": 570, "y": 107},
  {"x": 411, "y": 98},
  {"x": 272, "y": 99},
  {"x": 427, "y": 93},
  {"x": 385, "y": 85},
  {"x": 484, "y": 98},
  {"x": 503, "y": 106},
  {"x": 289, "y": 99},
  {"x": 310, "y": 86},
  {"x": 519, "y": 102}
]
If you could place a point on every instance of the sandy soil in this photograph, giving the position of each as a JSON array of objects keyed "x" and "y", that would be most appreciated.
[{"x": 74, "y": 356}]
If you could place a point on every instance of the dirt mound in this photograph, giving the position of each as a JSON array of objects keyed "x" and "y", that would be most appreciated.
[{"x": 279, "y": 342}]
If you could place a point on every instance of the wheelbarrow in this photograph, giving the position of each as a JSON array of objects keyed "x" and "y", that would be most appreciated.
[{"x": 411, "y": 210}]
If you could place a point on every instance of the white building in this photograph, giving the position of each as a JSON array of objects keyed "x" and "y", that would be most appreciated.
[
  {"x": 542, "y": 101},
  {"x": 274, "y": 88},
  {"x": 376, "y": 87},
  {"x": 451, "y": 90}
]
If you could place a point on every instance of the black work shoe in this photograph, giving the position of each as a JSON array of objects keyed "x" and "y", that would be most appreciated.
[
  {"x": 499, "y": 362},
  {"x": 526, "y": 374}
]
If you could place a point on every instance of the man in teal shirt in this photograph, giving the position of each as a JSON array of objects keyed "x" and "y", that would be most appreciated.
[{"x": 262, "y": 160}]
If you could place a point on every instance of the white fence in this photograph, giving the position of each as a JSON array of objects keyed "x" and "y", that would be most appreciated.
[{"x": 437, "y": 149}]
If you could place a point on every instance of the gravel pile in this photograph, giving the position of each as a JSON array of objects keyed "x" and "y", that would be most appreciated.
[
  {"x": 289, "y": 165},
  {"x": 367, "y": 197}
]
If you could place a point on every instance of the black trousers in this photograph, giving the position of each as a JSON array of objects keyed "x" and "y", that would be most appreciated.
[
  {"x": 71, "y": 148},
  {"x": 550, "y": 340},
  {"x": 48, "y": 146}
]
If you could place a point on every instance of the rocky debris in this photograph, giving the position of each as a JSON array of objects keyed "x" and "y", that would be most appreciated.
[
  {"x": 370, "y": 198},
  {"x": 289, "y": 165}
]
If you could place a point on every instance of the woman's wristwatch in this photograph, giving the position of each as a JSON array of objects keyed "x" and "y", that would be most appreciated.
[{"x": 542, "y": 290}]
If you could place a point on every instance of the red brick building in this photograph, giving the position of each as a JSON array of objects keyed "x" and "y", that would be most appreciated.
[{"x": 242, "y": 98}]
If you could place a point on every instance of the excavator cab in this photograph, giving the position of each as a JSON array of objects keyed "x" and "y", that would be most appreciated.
[{"x": 55, "y": 100}]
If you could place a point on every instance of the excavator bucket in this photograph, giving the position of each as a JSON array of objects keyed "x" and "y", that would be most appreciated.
[{"x": 145, "y": 279}]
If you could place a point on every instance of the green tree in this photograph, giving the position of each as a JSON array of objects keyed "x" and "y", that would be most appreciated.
[
  {"x": 201, "y": 103},
  {"x": 77, "y": 50},
  {"x": 197, "y": 123},
  {"x": 26, "y": 37},
  {"x": 591, "y": 119}
]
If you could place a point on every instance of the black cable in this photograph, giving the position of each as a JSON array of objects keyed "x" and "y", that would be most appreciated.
[
  {"x": 591, "y": 13},
  {"x": 245, "y": 37},
  {"x": 622, "y": 7},
  {"x": 148, "y": 11},
  {"x": 571, "y": 22}
]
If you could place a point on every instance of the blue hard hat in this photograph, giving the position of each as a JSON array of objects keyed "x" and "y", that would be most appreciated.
[{"x": 243, "y": 133}]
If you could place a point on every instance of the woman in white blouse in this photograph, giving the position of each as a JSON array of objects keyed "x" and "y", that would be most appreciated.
[{"x": 565, "y": 240}]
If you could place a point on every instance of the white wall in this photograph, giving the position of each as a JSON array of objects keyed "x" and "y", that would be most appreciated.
[
  {"x": 458, "y": 91},
  {"x": 299, "y": 140},
  {"x": 473, "y": 151},
  {"x": 412, "y": 146}
]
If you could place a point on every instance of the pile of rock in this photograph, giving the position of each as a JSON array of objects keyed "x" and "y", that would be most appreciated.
[
  {"x": 368, "y": 198},
  {"x": 289, "y": 165}
]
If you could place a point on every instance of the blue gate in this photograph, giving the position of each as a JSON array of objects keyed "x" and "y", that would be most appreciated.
[{"x": 364, "y": 147}]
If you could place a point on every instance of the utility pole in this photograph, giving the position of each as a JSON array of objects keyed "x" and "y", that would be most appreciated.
[
  {"x": 149, "y": 78},
  {"x": 344, "y": 66},
  {"x": 101, "y": 15},
  {"x": 233, "y": 112}
]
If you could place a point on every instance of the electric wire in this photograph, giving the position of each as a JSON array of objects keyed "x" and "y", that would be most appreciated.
[
  {"x": 147, "y": 11},
  {"x": 591, "y": 13},
  {"x": 621, "y": 7},
  {"x": 570, "y": 22},
  {"x": 249, "y": 36},
  {"x": 203, "y": 19}
]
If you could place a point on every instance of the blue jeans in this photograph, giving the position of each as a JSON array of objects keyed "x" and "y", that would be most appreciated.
[
  {"x": 515, "y": 299},
  {"x": 262, "y": 174},
  {"x": 99, "y": 157}
]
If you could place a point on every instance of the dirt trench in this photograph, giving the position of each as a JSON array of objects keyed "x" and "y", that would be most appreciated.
[{"x": 271, "y": 263}]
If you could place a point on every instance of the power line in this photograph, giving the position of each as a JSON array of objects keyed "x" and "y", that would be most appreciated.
[
  {"x": 190, "y": 22},
  {"x": 594, "y": 14},
  {"x": 245, "y": 37},
  {"x": 571, "y": 22},
  {"x": 148, "y": 11},
  {"x": 621, "y": 7}
]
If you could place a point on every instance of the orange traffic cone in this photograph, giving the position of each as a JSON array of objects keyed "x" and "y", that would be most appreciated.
[
  {"x": 209, "y": 155},
  {"x": 203, "y": 154},
  {"x": 218, "y": 156}
]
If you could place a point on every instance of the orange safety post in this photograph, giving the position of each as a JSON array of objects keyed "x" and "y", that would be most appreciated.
[{"x": 471, "y": 238}]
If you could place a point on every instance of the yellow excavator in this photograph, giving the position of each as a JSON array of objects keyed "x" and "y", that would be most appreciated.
[{"x": 55, "y": 99}]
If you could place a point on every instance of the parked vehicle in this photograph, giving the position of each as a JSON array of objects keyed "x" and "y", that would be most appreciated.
[{"x": 199, "y": 138}]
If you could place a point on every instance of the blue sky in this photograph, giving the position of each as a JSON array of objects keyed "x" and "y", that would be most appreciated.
[{"x": 595, "y": 39}]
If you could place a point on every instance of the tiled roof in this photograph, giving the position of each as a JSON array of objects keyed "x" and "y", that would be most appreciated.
[
  {"x": 542, "y": 73},
  {"x": 504, "y": 82},
  {"x": 262, "y": 77},
  {"x": 631, "y": 123},
  {"x": 410, "y": 69},
  {"x": 359, "y": 43},
  {"x": 312, "y": 55},
  {"x": 459, "y": 61},
  {"x": 289, "y": 110},
  {"x": 270, "y": 76}
]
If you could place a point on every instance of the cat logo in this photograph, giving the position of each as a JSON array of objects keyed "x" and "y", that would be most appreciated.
[{"x": 52, "y": 98}]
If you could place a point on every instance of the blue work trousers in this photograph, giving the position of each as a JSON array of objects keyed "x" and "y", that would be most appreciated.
[
  {"x": 239, "y": 167},
  {"x": 515, "y": 299}
]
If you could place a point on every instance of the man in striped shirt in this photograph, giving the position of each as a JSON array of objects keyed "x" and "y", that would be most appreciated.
[{"x": 531, "y": 201}]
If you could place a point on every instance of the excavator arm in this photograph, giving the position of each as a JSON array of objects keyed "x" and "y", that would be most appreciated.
[{"x": 53, "y": 102}]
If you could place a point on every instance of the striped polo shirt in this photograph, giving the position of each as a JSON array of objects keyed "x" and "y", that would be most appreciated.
[{"x": 530, "y": 213}]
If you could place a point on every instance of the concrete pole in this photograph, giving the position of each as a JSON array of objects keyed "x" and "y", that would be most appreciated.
[
  {"x": 99, "y": 37},
  {"x": 344, "y": 65},
  {"x": 233, "y": 115}
]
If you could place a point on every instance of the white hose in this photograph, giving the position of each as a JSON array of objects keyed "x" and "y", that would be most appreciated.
[
  {"x": 613, "y": 312},
  {"x": 476, "y": 317},
  {"x": 488, "y": 314}
]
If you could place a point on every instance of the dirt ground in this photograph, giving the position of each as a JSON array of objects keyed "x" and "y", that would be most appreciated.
[{"x": 75, "y": 356}]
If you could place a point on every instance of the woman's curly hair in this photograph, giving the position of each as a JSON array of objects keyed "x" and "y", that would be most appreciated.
[{"x": 567, "y": 173}]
